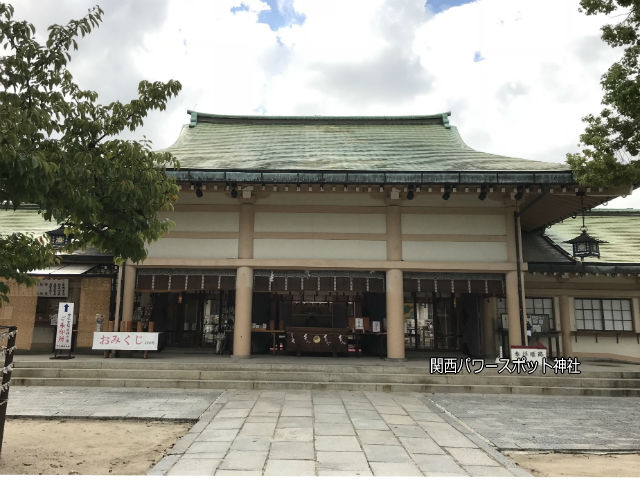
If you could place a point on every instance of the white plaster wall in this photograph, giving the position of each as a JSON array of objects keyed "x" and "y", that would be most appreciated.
[
  {"x": 454, "y": 251},
  {"x": 320, "y": 222},
  {"x": 304, "y": 197},
  {"x": 326, "y": 249},
  {"x": 204, "y": 221},
  {"x": 628, "y": 346},
  {"x": 425, "y": 224},
  {"x": 194, "y": 248}
]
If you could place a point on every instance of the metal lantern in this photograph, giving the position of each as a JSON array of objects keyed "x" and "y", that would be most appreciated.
[
  {"x": 58, "y": 237},
  {"x": 584, "y": 245}
]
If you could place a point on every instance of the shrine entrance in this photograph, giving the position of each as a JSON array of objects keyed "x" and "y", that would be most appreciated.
[
  {"x": 443, "y": 312},
  {"x": 188, "y": 306},
  {"x": 319, "y": 312}
]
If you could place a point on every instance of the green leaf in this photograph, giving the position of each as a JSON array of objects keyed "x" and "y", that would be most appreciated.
[
  {"x": 610, "y": 143},
  {"x": 59, "y": 150}
]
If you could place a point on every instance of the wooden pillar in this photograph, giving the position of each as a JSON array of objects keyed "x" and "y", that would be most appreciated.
[
  {"x": 515, "y": 281},
  {"x": 128, "y": 297},
  {"x": 242, "y": 325},
  {"x": 116, "y": 318},
  {"x": 513, "y": 308},
  {"x": 244, "y": 280},
  {"x": 566, "y": 304},
  {"x": 489, "y": 326},
  {"x": 395, "y": 317},
  {"x": 395, "y": 293},
  {"x": 635, "y": 311}
]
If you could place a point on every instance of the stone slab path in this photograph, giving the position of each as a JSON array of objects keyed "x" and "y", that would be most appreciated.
[
  {"x": 558, "y": 423},
  {"x": 276, "y": 432},
  {"x": 309, "y": 433}
]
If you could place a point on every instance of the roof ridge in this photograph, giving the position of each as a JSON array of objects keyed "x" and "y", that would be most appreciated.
[
  {"x": 556, "y": 246},
  {"x": 202, "y": 117},
  {"x": 613, "y": 212}
]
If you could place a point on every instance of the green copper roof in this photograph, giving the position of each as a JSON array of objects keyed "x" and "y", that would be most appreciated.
[
  {"x": 620, "y": 228},
  {"x": 415, "y": 143},
  {"x": 537, "y": 248},
  {"x": 27, "y": 220},
  {"x": 24, "y": 220}
]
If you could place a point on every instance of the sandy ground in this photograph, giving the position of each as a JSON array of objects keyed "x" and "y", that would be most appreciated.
[
  {"x": 114, "y": 447},
  {"x": 578, "y": 464},
  {"x": 85, "y": 447}
]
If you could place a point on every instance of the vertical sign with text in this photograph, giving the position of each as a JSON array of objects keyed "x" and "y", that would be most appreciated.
[{"x": 65, "y": 326}]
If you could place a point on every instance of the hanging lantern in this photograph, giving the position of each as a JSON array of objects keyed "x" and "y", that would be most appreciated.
[
  {"x": 584, "y": 245},
  {"x": 58, "y": 238}
]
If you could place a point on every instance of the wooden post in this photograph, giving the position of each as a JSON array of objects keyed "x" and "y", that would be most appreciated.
[
  {"x": 6, "y": 378},
  {"x": 108, "y": 327},
  {"x": 128, "y": 298},
  {"x": 565, "y": 325},
  {"x": 489, "y": 326},
  {"x": 395, "y": 318},
  {"x": 513, "y": 308},
  {"x": 242, "y": 325}
]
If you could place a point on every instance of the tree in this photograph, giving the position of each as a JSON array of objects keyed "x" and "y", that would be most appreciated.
[
  {"x": 59, "y": 149},
  {"x": 611, "y": 141}
]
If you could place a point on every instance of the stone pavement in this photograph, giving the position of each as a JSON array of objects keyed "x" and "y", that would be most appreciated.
[
  {"x": 558, "y": 423},
  {"x": 275, "y": 432},
  {"x": 112, "y": 403},
  {"x": 307, "y": 433}
]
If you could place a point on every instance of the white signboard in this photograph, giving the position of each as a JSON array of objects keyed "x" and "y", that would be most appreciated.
[
  {"x": 53, "y": 287},
  {"x": 125, "y": 340},
  {"x": 531, "y": 354},
  {"x": 64, "y": 328}
]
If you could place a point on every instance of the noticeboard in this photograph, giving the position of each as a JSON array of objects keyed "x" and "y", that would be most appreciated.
[
  {"x": 53, "y": 287},
  {"x": 64, "y": 326},
  {"x": 539, "y": 322}
]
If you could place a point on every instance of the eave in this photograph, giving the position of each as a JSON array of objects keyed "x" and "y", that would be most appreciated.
[
  {"x": 584, "y": 268},
  {"x": 547, "y": 196}
]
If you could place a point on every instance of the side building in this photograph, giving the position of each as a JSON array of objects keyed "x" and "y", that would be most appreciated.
[
  {"x": 88, "y": 279},
  {"x": 594, "y": 302}
]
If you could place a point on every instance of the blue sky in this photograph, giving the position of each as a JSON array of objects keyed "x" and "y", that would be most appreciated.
[
  {"x": 278, "y": 16},
  {"x": 275, "y": 16},
  {"x": 437, "y": 6}
]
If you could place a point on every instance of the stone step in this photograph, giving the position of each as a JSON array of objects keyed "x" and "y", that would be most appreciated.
[
  {"x": 289, "y": 372},
  {"x": 156, "y": 365},
  {"x": 577, "y": 380},
  {"x": 350, "y": 386}
]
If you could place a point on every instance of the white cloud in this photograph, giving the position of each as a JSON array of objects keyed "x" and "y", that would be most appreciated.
[
  {"x": 518, "y": 75},
  {"x": 531, "y": 84}
]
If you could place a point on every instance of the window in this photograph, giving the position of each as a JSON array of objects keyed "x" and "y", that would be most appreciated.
[
  {"x": 541, "y": 306},
  {"x": 601, "y": 314},
  {"x": 533, "y": 305}
]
